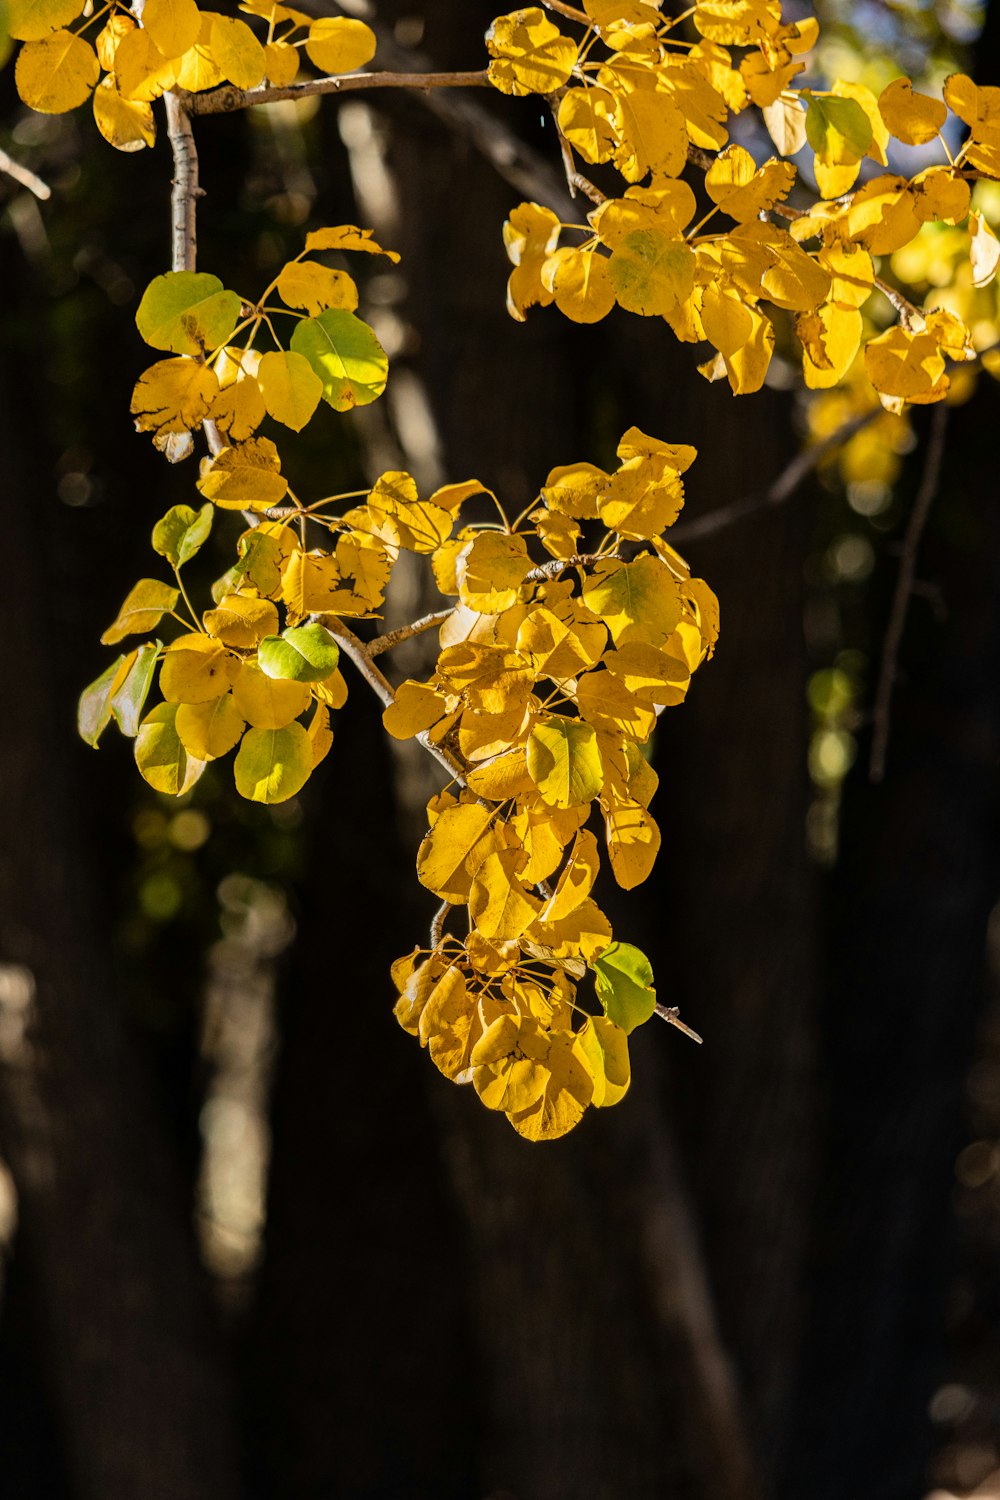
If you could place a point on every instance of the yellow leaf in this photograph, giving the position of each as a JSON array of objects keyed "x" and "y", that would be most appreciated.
[
  {"x": 450, "y": 1024},
  {"x": 498, "y": 903},
  {"x": 290, "y": 388},
  {"x": 586, "y": 120},
  {"x": 418, "y": 525},
  {"x": 490, "y": 570},
  {"x": 509, "y": 1069},
  {"x": 651, "y": 272},
  {"x": 668, "y": 207},
  {"x": 569, "y": 1088},
  {"x": 173, "y": 25},
  {"x": 851, "y": 271},
  {"x": 529, "y": 235},
  {"x": 210, "y": 729},
  {"x": 572, "y": 489},
  {"x": 906, "y": 365},
  {"x": 31, "y": 20},
  {"x": 912, "y": 118},
  {"x": 633, "y": 839},
  {"x": 347, "y": 237},
  {"x": 57, "y": 73},
  {"x": 174, "y": 395},
  {"x": 830, "y": 339},
  {"x": 238, "y": 410},
  {"x": 144, "y": 607},
  {"x": 320, "y": 734},
  {"x": 142, "y": 73},
  {"x": 117, "y": 26},
  {"x": 417, "y": 707},
  {"x": 984, "y": 250},
  {"x": 198, "y": 69},
  {"x": 726, "y": 319},
  {"x": 502, "y": 777},
  {"x": 245, "y": 477},
  {"x": 581, "y": 933},
  {"x": 605, "y": 1047},
  {"x": 605, "y": 702},
  {"x": 125, "y": 124},
  {"x": 881, "y": 215},
  {"x": 530, "y": 55},
  {"x": 576, "y": 880},
  {"x": 314, "y": 287},
  {"x": 241, "y": 621},
  {"x": 736, "y": 185},
  {"x": 281, "y": 63},
  {"x": 236, "y": 51},
  {"x": 938, "y": 194},
  {"x": 651, "y": 135},
  {"x": 786, "y": 124},
  {"x": 580, "y": 284},
  {"x": 454, "y": 849},
  {"x": 160, "y": 756},
  {"x": 268, "y": 702},
  {"x": 563, "y": 760},
  {"x": 638, "y": 601},
  {"x": 649, "y": 672},
  {"x": 196, "y": 668},
  {"x": 339, "y": 44}
]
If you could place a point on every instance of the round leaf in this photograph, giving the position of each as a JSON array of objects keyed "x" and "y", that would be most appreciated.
[
  {"x": 306, "y": 653},
  {"x": 181, "y": 532},
  {"x": 57, "y": 73},
  {"x": 290, "y": 387},
  {"x": 273, "y": 764},
  {"x": 346, "y": 356},
  {"x": 187, "y": 312},
  {"x": 623, "y": 978}
]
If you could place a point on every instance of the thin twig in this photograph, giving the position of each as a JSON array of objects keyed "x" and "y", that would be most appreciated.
[
  {"x": 569, "y": 11},
  {"x": 228, "y": 98},
  {"x": 558, "y": 565},
  {"x": 26, "y": 178},
  {"x": 904, "y": 588},
  {"x": 395, "y": 637},
  {"x": 437, "y": 925},
  {"x": 783, "y": 488},
  {"x": 670, "y": 1013},
  {"x": 359, "y": 655}
]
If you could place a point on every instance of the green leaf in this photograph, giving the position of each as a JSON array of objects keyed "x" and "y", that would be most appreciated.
[
  {"x": 564, "y": 761},
  {"x": 187, "y": 312},
  {"x": 127, "y": 700},
  {"x": 837, "y": 129},
  {"x": 273, "y": 764},
  {"x": 160, "y": 756},
  {"x": 181, "y": 533},
  {"x": 623, "y": 978},
  {"x": 346, "y": 356},
  {"x": 303, "y": 653},
  {"x": 93, "y": 714},
  {"x": 143, "y": 609}
]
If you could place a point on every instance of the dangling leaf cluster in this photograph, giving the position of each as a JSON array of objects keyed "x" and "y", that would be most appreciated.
[{"x": 634, "y": 94}]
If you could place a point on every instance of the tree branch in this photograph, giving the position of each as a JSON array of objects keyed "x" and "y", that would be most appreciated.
[
  {"x": 26, "y": 178},
  {"x": 396, "y": 637},
  {"x": 904, "y": 588},
  {"x": 360, "y": 656},
  {"x": 227, "y": 99},
  {"x": 185, "y": 188}
]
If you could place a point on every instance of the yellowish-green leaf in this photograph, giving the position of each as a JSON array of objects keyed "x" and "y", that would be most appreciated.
[
  {"x": 605, "y": 1046},
  {"x": 160, "y": 756},
  {"x": 623, "y": 978},
  {"x": 129, "y": 696},
  {"x": 272, "y": 765},
  {"x": 304, "y": 653},
  {"x": 638, "y": 601},
  {"x": 651, "y": 272},
  {"x": 93, "y": 714},
  {"x": 563, "y": 761},
  {"x": 837, "y": 129},
  {"x": 143, "y": 609},
  {"x": 181, "y": 533},
  {"x": 187, "y": 312},
  {"x": 345, "y": 354}
]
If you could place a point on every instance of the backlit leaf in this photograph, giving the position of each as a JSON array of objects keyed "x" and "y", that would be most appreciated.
[
  {"x": 187, "y": 312},
  {"x": 306, "y": 653},
  {"x": 143, "y": 609},
  {"x": 345, "y": 354},
  {"x": 623, "y": 978},
  {"x": 272, "y": 765}
]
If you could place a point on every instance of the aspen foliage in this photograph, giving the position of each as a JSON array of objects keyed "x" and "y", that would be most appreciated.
[{"x": 566, "y": 628}]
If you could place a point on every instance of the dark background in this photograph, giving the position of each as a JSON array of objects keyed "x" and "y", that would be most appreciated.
[{"x": 253, "y": 1245}]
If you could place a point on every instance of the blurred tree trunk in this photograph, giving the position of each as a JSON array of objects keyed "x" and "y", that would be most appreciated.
[{"x": 126, "y": 1343}]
